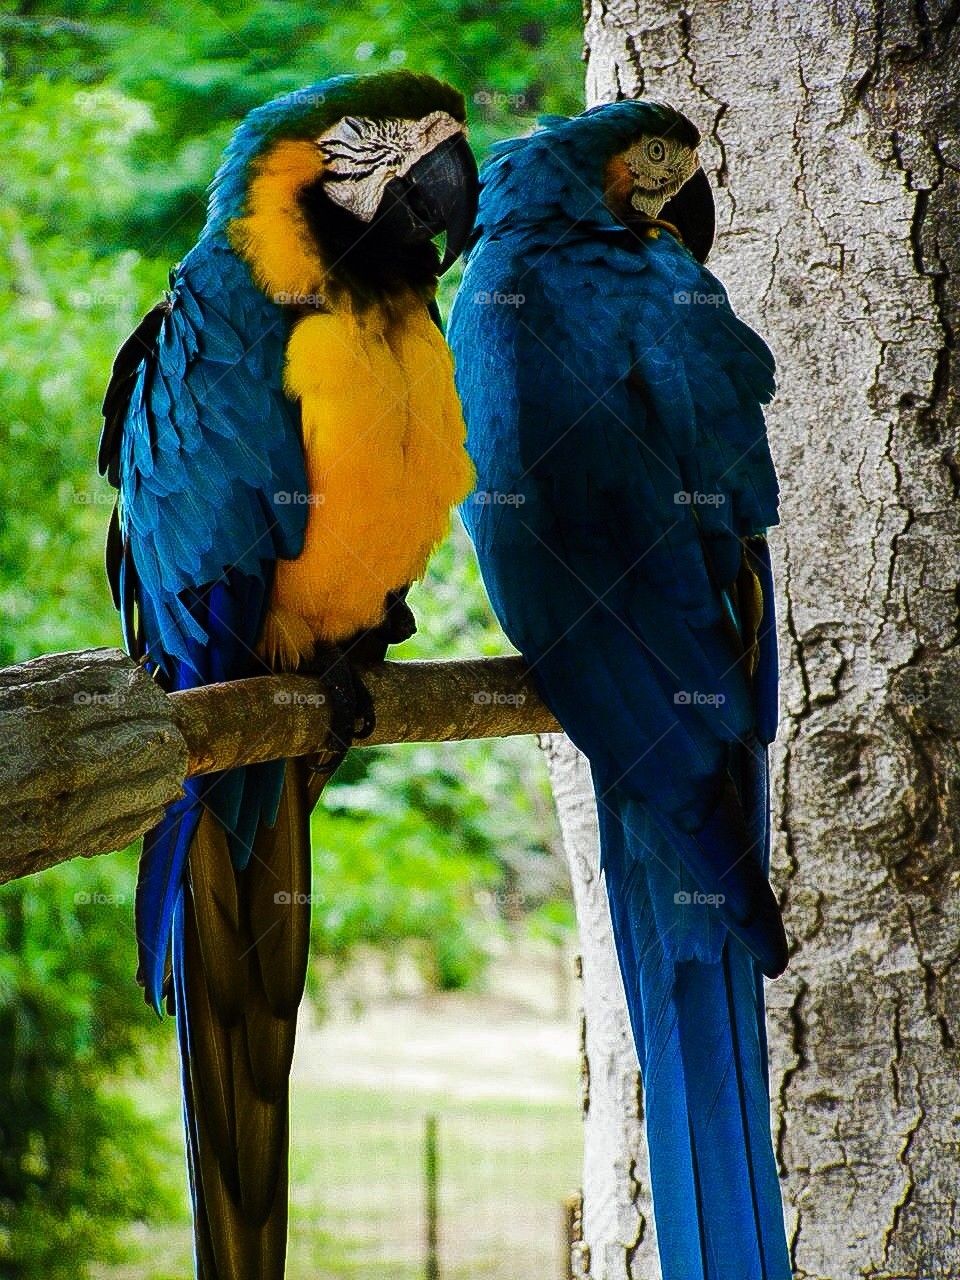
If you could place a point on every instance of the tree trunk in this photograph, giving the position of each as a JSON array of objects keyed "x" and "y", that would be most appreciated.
[
  {"x": 832, "y": 137},
  {"x": 614, "y": 1229}
]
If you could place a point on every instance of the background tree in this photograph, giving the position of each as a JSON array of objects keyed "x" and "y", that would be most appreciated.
[{"x": 832, "y": 137}]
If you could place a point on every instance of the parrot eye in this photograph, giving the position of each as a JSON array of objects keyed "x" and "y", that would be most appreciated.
[{"x": 656, "y": 150}]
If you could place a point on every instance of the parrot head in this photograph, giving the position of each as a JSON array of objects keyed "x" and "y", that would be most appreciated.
[
  {"x": 650, "y": 171},
  {"x": 345, "y": 186},
  {"x": 630, "y": 163},
  {"x": 657, "y": 175}
]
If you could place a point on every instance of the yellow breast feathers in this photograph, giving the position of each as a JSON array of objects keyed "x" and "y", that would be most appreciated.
[{"x": 383, "y": 440}]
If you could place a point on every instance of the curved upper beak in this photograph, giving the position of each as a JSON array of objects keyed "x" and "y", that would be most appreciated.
[
  {"x": 438, "y": 194},
  {"x": 693, "y": 213}
]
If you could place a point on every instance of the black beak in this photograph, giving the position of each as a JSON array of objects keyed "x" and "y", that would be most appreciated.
[
  {"x": 693, "y": 213},
  {"x": 439, "y": 194}
]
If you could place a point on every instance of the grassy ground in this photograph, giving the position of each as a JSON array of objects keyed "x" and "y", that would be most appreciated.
[{"x": 499, "y": 1072}]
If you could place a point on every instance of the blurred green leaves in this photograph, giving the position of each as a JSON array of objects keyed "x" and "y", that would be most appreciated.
[
  {"x": 77, "y": 1162},
  {"x": 69, "y": 305},
  {"x": 201, "y": 68}
]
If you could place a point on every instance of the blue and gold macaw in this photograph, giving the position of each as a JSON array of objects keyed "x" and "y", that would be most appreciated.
[
  {"x": 614, "y": 414},
  {"x": 287, "y": 442}
]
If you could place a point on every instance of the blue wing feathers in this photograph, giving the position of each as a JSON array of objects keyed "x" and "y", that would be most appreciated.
[{"x": 208, "y": 440}]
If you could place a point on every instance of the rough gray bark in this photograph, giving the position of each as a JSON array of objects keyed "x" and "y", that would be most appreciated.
[
  {"x": 832, "y": 136},
  {"x": 92, "y": 750},
  {"x": 88, "y": 748}
]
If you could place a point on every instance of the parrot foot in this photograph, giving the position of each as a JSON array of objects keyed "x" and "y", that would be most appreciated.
[{"x": 352, "y": 716}]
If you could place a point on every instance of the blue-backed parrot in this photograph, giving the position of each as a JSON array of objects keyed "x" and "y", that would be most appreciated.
[
  {"x": 614, "y": 408},
  {"x": 287, "y": 443}
]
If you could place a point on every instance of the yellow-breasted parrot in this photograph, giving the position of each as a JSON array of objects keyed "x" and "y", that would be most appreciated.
[
  {"x": 287, "y": 443},
  {"x": 614, "y": 406}
]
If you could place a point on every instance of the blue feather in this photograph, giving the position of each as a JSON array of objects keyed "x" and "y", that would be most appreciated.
[
  {"x": 699, "y": 1029},
  {"x": 159, "y": 884}
]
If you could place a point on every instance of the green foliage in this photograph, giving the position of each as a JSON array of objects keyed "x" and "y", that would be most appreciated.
[
  {"x": 77, "y": 1162},
  {"x": 202, "y": 68},
  {"x": 70, "y": 307},
  {"x": 552, "y": 921},
  {"x": 387, "y": 875}
]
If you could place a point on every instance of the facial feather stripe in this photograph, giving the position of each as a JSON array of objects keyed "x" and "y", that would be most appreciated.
[{"x": 362, "y": 156}]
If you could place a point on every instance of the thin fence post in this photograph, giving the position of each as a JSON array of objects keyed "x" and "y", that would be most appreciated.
[{"x": 430, "y": 1179}]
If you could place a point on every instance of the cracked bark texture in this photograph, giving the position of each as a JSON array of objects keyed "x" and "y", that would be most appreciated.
[{"x": 832, "y": 137}]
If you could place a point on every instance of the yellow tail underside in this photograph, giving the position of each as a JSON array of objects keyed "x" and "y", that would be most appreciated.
[{"x": 383, "y": 439}]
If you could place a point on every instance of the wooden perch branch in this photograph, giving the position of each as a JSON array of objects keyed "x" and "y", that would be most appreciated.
[{"x": 92, "y": 750}]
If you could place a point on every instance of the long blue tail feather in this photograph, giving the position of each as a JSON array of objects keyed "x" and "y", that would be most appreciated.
[{"x": 696, "y": 1008}]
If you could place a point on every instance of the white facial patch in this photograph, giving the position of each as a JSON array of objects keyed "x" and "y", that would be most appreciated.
[
  {"x": 659, "y": 168},
  {"x": 362, "y": 156}
]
